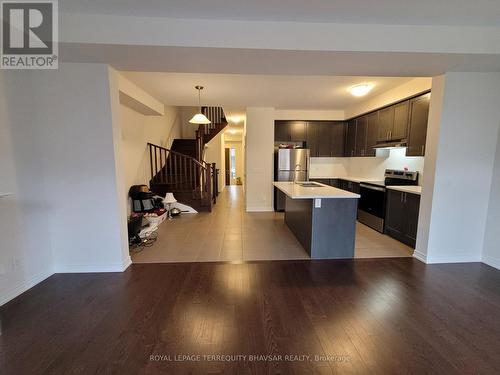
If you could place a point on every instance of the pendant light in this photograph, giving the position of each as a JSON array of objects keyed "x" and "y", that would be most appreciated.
[{"x": 199, "y": 118}]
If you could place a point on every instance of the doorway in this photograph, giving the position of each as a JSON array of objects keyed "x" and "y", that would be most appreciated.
[
  {"x": 227, "y": 166},
  {"x": 231, "y": 163}
]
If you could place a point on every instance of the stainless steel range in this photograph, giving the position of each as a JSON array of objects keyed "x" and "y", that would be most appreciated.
[{"x": 371, "y": 206}]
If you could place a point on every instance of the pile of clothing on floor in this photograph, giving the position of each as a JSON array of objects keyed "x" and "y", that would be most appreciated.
[{"x": 147, "y": 214}]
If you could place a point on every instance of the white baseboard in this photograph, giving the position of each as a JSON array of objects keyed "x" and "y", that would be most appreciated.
[
  {"x": 420, "y": 256},
  {"x": 491, "y": 261},
  {"x": 449, "y": 259},
  {"x": 22, "y": 287},
  {"x": 126, "y": 263},
  {"x": 259, "y": 209},
  {"x": 93, "y": 268},
  {"x": 454, "y": 259}
]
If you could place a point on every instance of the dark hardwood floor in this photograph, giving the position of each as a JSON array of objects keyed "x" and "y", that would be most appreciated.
[{"x": 385, "y": 316}]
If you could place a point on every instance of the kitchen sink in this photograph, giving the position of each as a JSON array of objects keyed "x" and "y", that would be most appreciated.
[{"x": 309, "y": 184}]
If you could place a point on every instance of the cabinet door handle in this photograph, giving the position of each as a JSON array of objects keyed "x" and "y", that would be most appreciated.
[
  {"x": 402, "y": 197},
  {"x": 405, "y": 197},
  {"x": 422, "y": 150}
]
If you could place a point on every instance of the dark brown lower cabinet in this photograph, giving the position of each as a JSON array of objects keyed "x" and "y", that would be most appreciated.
[
  {"x": 325, "y": 181},
  {"x": 401, "y": 216},
  {"x": 351, "y": 186},
  {"x": 334, "y": 182}
]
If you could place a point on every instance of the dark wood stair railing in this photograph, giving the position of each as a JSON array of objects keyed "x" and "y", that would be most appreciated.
[
  {"x": 177, "y": 172},
  {"x": 206, "y": 132}
]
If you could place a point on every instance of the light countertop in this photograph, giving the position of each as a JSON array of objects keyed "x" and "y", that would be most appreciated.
[
  {"x": 407, "y": 189},
  {"x": 295, "y": 191},
  {"x": 347, "y": 178}
]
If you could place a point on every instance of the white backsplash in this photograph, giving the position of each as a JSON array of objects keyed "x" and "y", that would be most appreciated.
[
  {"x": 371, "y": 168},
  {"x": 326, "y": 167}
]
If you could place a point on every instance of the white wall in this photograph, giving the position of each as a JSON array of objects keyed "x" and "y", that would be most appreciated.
[
  {"x": 407, "y": 89},
  {"x": 244, "y": 152},
  {"x": 371, "y": 168},
  {"x": 214, "y": 153},
  {"x": 136, "y": 98},
  {"x": 119, "y": 175},
  {"x": 136, "y": 131},
  {"x": 26, "y": 252},
  {"x": 491, "y": 250},
  {"x": 186, "y": 113},
  {"x": 307, "y": 114},
  {"x": 431, "y": 149},
  {"x": 293, "y": 36},
  {"x": 259, "y": 145},
  {"x": 462, "y": 139},
  {"x": 60, "y": 161},
  {"x": 73, "y": 107}
]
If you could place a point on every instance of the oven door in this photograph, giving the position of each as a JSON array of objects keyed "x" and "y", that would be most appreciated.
[{"x": 372, "y": 200}]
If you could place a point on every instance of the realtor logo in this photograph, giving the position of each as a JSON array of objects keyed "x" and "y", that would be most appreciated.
[{"x": 29, "y": 35}]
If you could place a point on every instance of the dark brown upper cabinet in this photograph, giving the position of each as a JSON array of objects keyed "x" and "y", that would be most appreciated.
[
  {"x": 361, "y": 127},
  {"x": 337, "y": 139},
  {"x": 350, "y": 144},
  {"x": 322, "y": 138},
  {"x": 400, "y": 127},
  {"x": 318, "y": 138},
  {"x": 405, "y": 121},
  {"x": 289, "y": 131},
  {"x": 281, "y": 131},
  {"x": 393, "y": 122},
  {"x": 371, "y": 132},
  {"x": 312, "y": 139},
  {"x": 297, "y": 131},
  {"x": 325, "y": 138},
  {"x": 419, "y": 113},
  {"x": 385, "y": 123}
]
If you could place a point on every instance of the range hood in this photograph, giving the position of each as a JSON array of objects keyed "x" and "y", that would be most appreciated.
[{"x": 393, "y": 144}]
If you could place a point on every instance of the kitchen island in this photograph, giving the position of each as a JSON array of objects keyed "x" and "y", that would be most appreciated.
[{"x": 322, "y": 218}]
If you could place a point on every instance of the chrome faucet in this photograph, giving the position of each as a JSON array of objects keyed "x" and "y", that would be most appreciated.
[{"x": 296, "y": 174}]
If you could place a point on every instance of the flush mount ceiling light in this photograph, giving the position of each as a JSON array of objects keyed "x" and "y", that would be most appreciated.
[
  {"x": 199, "y": 118},
  {"x": 361, "y": 89}
]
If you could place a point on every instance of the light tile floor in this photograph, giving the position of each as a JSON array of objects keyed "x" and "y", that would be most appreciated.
[{"x": 229, "y": 233}]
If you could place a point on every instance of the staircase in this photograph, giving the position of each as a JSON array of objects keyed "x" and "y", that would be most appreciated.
[
  {"x": 207, "y": 132},
  {"x": 181, "y": 169}
]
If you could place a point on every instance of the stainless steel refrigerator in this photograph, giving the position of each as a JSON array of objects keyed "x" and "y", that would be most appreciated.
[{"x": 289, "y": 165}]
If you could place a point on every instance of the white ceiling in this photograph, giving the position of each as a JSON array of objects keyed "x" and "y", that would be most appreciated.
[
  {"x": 421, "y": 12},
  {"x": 255, "y": 61},
  {"x": 241, "y": 91}
]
